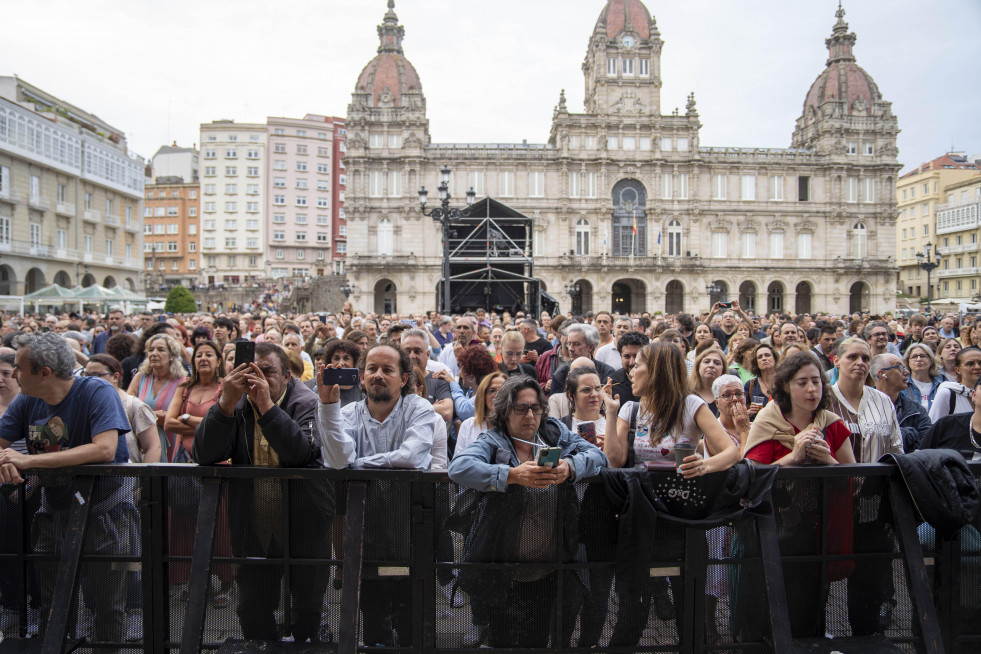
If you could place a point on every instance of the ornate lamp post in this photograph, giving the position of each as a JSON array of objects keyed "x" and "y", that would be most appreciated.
[
  {"x": 443, "y": 215},
  {"x": 347, "y": 289},
  {"x": 713, "y": 291},
  {"x": 928, "y": 264},
  {"x": 572, "y": 290}
]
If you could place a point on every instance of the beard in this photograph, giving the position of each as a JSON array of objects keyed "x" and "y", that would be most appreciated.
[{"x": 379, "y": 393}]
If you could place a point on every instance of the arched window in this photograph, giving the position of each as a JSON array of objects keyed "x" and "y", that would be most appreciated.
[
  {"x": 859, "y": 240},
  {"x": 386, "y": 237},
  {"x": 582, "y": 237},
  {"x": 674, "y": 239},
  {"x": 629, "y": 219}
]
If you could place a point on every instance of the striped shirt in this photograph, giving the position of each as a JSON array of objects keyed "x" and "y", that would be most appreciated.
[{"x": 873, "y": 424}]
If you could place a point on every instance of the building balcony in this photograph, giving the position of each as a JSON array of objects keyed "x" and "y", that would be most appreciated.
[
  {"x": 92, "y": 216},
  {"x": 112, "y": 221},
  {"x": 41, "y": 204},
  {"x": 132, "y": 226},
  {"x": 65, "y": 209},
  {"x": 958, "y": 272},
  {"x": 10, "y": 196},
  {"x": 957, "y": 249},
  {"x": 37, "y": 250}
]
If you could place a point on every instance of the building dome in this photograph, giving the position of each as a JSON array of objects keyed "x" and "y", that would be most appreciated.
[
  {"x": 389, "y": 76},
  {"x": 625, "y": 15},
  {"x": 843, "y": 80}
]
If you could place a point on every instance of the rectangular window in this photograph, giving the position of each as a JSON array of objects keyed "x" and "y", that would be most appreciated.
[
  {"x": 803, "y": 188},
  {"x": 301, "y": 149},
  {"x": 279, "y": 200},
  {"x": 644, "y": 143},
  {"x": 681, "y": 144},
  {"x": 629, "y": 143},
  {"x": 231, "y": 154},
  {"x": 322, "y": 186},
  {"x": 301, "y": 183},
  {"x": 252, "y": 154},
  {"x": 301, "y": 236},
  {"x": 536, "y": 184},
  {"x": 475, "y": 180},
  {"x": 252, "y": 171},
  {"x": 279, "y": 218},
  {"x": 231, "y": 207},
  {"x": 35, "y": 235},
  {"x": 376, "y": 141},
  {"x": 231, "y": 171},
  {"x": 88, "y": 244},
  {"x": 159, "y": 229},
  {"x": 301, "y": 201},
  {"x": 322, "y": 220},
  {"x": 252, "y": 207},
  {"x": 171, "y": 246},
  {"x": 231, "y": 189},
  {"x": 279, "y": 182},
  {"x": 804, "y": 246},
  {"x": 851, "y": 148},
  {"x": 575, "y": 189},
  {"x": 376, "y": 182},
  {"x": 611, "y": 67},
  {"x": 683, "y": 186},
  {"x": 209, "y": 154},
  {"x": 868, "y": 189},
  {"x": 192, "y": 230},
  {"x": 749, "y": 245},
  {"x": 612, "y": 143},
  {"x": 869, "y": 148},
  {"x": 279, "y": 236},
  {"x": 776, "y": 245},
  {"x": 63, "y": 239},
  {"x": 645, "y": 68},
  {"x": 628, "y": 66},
  {"x": 301, "y": 166},
  {"x": 395, "y": 140},
  {"x": 209, "y": 207},
  {"x": 34, "y": 188},
  {"x": 321, "y": 237},
  {"x": 323, "y": 169},
  {"x": 230, "y": 243},
  {"x": 394, "y": 184},
  {"x": 341, "y": 247},
  {"x": 506, "y": 184},
  {"x": 776, "y": 187},
  {"x": 719, "y": 187},
  {"x": 748, "y": 187},
  {"x": 279, "y": 164},
  {"x": 667, "y": 144},
  {"x": 719, "y": 245},
  {"x": 323, "y": 152},
  {"x": 231, "y": 225},
  {"x": 667, "y": 186},
  {"x": 589, "y": 185},
  {"x": 851, "y": 189},
  {"x": 173, "y": 228},
  {"x": 4, "y": 230},
  {"x": 209, "y": 171}
]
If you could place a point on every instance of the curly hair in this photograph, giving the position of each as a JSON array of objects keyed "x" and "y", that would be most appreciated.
[
  {"x": 477, "y": 361},
  {"x": 173, "y": 349},
  {"x": 121, "y": 345}
]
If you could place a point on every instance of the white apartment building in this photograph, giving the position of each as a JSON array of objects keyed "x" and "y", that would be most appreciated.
[
  {"x": 233, "y": 222},
  {"x": 70, "y": 196}
]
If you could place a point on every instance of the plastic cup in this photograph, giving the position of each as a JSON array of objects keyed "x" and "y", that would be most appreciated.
[{"x": 682, "y": 450}]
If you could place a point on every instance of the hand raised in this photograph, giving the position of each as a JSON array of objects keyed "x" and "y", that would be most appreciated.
[{"x": 328, "y": 394}]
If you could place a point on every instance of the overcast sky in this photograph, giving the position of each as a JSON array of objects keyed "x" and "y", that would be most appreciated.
[{"x": 491, "y": 70}]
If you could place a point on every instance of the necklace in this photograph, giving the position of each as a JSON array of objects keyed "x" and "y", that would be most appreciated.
[{"x": 971, "y": 433}]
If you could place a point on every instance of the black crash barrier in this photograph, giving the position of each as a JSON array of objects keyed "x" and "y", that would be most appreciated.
[{"x": 839, "y": 552}]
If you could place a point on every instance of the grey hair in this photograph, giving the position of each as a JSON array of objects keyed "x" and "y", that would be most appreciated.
[
  {"x": 867, "y": 332},
  {"x": 724, "y": 380},
  {"x": 415, "y": 331},
  {"x": 48, "y": 350},
  {"x": 627, "y": 318},
  {"x": 934, "y": 363},
  {"x": 879, "y": 361},
  {"x": 506, "y": 397},
  {"x": 590, "y": 333}
]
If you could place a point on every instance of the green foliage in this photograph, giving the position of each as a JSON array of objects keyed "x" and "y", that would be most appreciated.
[{"x": 180, "y": 300}]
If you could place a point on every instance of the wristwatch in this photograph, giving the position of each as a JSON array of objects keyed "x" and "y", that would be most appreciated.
[{"x": 185, "y": 418}]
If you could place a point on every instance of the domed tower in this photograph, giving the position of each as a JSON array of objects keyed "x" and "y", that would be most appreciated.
[
  {"x": 844, "y": 113},
  {"x": 623, "y": 61},
  {"x": 388, "y": 94}
]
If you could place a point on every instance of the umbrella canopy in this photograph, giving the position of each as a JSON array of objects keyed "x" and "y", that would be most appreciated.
[{"x": 52, "y": 292}]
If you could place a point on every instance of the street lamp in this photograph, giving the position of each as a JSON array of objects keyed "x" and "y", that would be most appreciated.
[
  {"x": 443, "y": 215},
  {"x": 928, "y": 264},
  {"x": 572, "y": 289},
  {"x": 347, "y": 289}
]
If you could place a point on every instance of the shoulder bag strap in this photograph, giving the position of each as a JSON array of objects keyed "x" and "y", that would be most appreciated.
[{"x": 631, "y": 434}]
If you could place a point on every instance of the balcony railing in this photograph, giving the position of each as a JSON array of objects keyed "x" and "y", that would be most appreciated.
[{"x": 774, "y": 574}]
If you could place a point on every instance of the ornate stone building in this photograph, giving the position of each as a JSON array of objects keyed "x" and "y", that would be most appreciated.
[{"x": 626, "y": 201}]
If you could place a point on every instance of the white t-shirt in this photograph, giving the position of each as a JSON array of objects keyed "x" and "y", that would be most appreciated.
[
  {"x": 663, "y": 447},
  {"x": 599, "y": 422},
  {"x": 923, "y": 390},
  {"x": 469, "y": 431},
  {"x": 609, "y": 355},
  {"x": 941, "y": 401}
]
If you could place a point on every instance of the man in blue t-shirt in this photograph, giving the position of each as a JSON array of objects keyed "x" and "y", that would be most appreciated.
[{"x": 69, "y": 421}]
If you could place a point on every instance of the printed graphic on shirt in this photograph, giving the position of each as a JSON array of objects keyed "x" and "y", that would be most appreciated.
[{"x": 49, "y": 437}]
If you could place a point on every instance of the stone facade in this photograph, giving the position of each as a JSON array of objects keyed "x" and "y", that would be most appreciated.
[{"x": 626, "y": 201}]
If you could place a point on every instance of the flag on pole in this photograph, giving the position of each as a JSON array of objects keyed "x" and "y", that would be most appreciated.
[
  {"x": 635, "y": 222},
  {"x": 659, "y": 237}
]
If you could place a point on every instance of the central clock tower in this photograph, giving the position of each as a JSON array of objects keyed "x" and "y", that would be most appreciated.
[{"x": 623, "y": 62}]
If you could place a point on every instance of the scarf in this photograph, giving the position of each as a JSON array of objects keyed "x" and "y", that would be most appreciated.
[
  {"x": 770, "y": 424},
  {"x": 267, "y": 495}
]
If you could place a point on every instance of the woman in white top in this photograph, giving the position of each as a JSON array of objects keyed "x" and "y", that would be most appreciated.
[
  {"x": 955, "y": 397},
  {"x": 924, "y": 374},
  {"x": 585, "y": 393},
  {"x": 473, "y": 427},
  {"x": 664, "y": 418},
  {"x": 868, "y": 413}
]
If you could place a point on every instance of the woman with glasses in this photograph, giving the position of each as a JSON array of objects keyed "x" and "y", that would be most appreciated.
[
  {"x": 474, "y": 426},
  {"x": 759, "y": 389},
  {"x": 585, "y": 392},
  {"x": 955, "y": 397},
  {"x": 924, "y": 374},
  {"x": 515, "y": 520},
  {"x": 156, "y": 382},
  {"x": 512, "y": 349},
  {"x": 9, "y": 388},
  {"x": 947, "y": 354},
  {"x": 142, "y": 441}
]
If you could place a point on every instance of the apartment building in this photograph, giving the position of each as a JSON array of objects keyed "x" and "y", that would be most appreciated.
[
  {"x": 233, "y": 224},
  {"x": 70, "y": 195},
  {"x": 918, "y": 193},
  {"x": 171, "y": 235},
  {"x": 958, "y": 233}
]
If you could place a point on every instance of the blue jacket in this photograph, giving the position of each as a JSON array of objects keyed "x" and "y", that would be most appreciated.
[
  {"x": 485, "y": 464},
  {"x": 912, "y": 392}
]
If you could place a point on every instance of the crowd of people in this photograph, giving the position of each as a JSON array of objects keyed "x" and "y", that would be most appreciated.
[{"x": 510, "y": 406}]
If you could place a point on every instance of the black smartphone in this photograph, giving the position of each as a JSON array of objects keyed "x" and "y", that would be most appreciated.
[
  {"x": 587, "y": 430},
  {"x": 244, "y": 352},
  {"x": 725, "y": 305},
  {"x": 323, "y": 319},
  {"x": 341, "y": 376}
]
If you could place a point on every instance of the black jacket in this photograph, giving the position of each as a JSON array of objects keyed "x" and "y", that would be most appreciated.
[
  {"x": 558, "y": 378},
  {"x": 293, "y": 433},
  {"x": 914, "y": 421},
  {"x": 707, "y": 501},
  {"x": 622, "y": 387},
  {"x": 942, "y": 488}
]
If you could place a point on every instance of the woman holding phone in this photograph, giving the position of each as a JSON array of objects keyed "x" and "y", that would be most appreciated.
[
  {"x": 516, "y": 493},
  {"x": 585, "y": 392}
]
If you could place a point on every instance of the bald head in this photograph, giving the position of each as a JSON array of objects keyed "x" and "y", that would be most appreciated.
[{"x": 581, "y": 362}]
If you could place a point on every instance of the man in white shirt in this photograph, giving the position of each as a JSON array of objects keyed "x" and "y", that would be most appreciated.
[{"x": 608, "y": 353}]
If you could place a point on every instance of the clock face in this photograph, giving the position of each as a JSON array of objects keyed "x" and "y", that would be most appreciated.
[{"x": 627, "y": 40}]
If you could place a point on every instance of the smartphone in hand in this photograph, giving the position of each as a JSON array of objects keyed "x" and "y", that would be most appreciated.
[
  {"x": 549, "y": 457},
  {"x": 244, "y": 352},
  {"x": 587, "y": 430},
  {"x": 341, "y": 376}
]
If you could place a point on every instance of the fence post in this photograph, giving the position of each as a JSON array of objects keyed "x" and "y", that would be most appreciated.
[
  {"x": 347, "y": 637},
  {"x": 423, "y": 566},
  {"x": 153, "y": 570},
  {"x": 200, "y": 579}
]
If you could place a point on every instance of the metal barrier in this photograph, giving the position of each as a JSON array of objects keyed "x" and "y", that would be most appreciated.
[{"x": 840, "y": 554}]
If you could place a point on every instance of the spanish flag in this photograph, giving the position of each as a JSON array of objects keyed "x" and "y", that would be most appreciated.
[{"x": 635, "y": 222}]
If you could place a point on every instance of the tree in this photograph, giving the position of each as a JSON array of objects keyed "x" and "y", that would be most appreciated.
[{"x": 180, "y": 300}]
